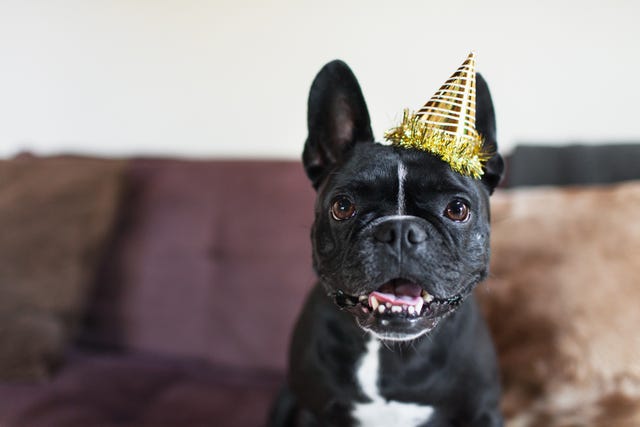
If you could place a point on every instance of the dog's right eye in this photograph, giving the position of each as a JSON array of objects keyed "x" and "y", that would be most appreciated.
[
  {"x": 342, "y": 208},
  {"x": 457, "y": 211}
]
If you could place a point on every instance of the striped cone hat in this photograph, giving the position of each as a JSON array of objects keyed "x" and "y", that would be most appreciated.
[{"x": 446, "y": 125}]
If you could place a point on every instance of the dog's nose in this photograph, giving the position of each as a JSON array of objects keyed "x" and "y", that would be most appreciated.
[{"x": 400, "y": 233}]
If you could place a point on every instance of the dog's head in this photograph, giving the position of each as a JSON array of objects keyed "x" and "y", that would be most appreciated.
[{"x": 399, "y": 238}]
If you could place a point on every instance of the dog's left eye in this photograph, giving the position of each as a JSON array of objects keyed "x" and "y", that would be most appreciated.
[
  {"x": 457, "y": 211},
  {"x": 342, "y": 208}
]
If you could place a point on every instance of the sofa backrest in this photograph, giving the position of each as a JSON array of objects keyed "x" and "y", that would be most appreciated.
[{"x": 211, "y": 260}]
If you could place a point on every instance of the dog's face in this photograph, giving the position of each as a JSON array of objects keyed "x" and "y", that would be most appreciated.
[{"x": 399, "y": 238}]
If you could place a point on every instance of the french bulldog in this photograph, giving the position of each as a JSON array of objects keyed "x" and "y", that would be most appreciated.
[{"x": 391, "y": 334}]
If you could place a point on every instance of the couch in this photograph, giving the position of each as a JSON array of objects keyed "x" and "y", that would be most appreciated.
[{"x": 161, "y": 292}]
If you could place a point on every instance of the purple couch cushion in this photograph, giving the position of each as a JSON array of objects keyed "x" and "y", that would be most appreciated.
[
  {"x": 140, "y": 391},
  {"x": 212, "y": 261}
]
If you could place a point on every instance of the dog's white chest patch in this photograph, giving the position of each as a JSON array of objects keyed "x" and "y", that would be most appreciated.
[{"x": 381, "y": 412}]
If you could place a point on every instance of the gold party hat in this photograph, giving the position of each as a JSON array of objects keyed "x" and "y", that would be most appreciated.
[{"x": 446, "y": 125}]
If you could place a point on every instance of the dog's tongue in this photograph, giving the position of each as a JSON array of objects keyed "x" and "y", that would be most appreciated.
[{"x": 399, "y": 294}]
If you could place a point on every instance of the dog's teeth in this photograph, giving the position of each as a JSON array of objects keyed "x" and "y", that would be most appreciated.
[
  {"x": 427, "y": 297},
  {"x": 362, "y": 298},
  {"x": 373, "y": 302},
  {"x": 419, "y": 306},
  {"x": 411, "y": 309},
  {"x": 388, "y": 305},
  {"x": 396, "y": 309},
  {"x": 404, "y": 307},
  {"x": 381, "y": 308}
]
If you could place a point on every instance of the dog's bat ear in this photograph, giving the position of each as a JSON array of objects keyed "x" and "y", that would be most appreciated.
[
  {"x": 486, "y": 126},
  {"x": 337, "y": 119}
]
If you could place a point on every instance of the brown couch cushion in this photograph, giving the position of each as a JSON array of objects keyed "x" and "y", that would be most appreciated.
[
  {"x": 213, "y": 261},
  {"x": 55, "y": 215},
  {"x": 563, "y": 304}
]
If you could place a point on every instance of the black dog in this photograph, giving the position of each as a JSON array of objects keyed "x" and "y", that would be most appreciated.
[{"x": 391, "y": 335}]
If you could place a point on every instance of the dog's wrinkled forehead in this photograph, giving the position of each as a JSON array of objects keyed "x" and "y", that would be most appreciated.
[
  {"x": 372, "y": 164},
  {"x": 382, "y": 170}
]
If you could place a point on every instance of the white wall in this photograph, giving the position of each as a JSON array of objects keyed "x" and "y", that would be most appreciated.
[{"x": 231, "y": 77}]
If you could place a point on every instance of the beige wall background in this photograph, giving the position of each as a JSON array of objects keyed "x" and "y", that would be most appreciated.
[{"x": 230, "y": 78}]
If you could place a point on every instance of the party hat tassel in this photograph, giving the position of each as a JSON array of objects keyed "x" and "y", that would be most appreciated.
[{"x": 446, "y": 124}]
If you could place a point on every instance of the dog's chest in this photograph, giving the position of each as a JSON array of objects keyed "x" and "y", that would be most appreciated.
[{"x": 380, "y": 412}]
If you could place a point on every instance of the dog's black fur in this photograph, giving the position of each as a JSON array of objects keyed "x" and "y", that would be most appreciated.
[{"x": 449, "y": 363}]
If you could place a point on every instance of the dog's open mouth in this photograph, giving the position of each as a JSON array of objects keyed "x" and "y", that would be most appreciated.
[
  {"x": 399, "y": 310},
  {"x": 398, "y": 298}
]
